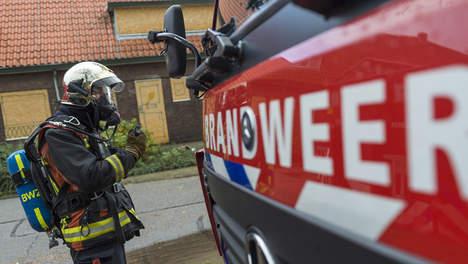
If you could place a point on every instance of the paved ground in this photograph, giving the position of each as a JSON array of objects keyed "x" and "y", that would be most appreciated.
[
  {"x": 198, "y": 248},
  {"x": 170, "y": 209}
]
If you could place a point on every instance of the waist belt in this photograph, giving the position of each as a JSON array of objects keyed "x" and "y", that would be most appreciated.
[
  {"x": 96, "y": 229},
  {"x": 68, "y": 203}
]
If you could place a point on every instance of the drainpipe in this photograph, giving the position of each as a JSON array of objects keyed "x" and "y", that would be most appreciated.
[{"x": 57, "y": 93}]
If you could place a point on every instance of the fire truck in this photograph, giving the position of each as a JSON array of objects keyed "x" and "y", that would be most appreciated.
[{"x": 335, "y": 131}]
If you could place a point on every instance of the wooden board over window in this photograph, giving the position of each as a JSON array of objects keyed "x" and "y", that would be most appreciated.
[
  {"x": 179, "y": 90},
  {"x": 23, "y": 111},
  {"x": 140, "y": 20},
  {"x": 150, "y": 99}
]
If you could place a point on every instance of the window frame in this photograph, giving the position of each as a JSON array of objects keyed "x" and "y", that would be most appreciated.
[
  {"x": 43, "y": 92},
  {"x": 120, "y": 37}
]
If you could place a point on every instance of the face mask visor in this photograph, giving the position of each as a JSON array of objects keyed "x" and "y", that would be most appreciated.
[
  {"x": 102, "y": 95},
  {"x": 106, "y": 107},
  {"x": 102, "y": 89},
  {"x": 112, "y": 81}
]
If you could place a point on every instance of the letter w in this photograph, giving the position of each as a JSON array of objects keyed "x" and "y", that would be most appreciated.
[
  {"x": 30, "y": 195},
  {"x": 275, "y": 131}
]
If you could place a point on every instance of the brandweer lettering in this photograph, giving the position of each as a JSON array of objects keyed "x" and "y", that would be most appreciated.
[{"x": 424, "y": 132}]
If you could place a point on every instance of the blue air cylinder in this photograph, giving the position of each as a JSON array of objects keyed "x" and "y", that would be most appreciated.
[{"x": 37, "y": 213}]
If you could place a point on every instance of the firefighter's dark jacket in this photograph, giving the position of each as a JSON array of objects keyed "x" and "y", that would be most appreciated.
[
  {"x": 91, "y": 204},
  {"x": 79, "y": 165}
]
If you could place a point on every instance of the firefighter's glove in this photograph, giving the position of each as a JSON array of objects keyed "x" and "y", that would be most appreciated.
[{"x": 136, "y": 142}]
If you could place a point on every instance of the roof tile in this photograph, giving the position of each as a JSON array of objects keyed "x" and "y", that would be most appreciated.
[{"x": 40, "y": 32}]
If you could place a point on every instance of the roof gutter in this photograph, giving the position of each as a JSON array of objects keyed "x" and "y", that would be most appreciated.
[{"x": 111, "y": 6}]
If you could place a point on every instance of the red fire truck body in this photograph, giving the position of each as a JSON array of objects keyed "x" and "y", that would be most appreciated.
[{"x": 351, "y": 144}]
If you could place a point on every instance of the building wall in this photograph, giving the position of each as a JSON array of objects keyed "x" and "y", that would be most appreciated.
[{"x": 183, "y": 118}]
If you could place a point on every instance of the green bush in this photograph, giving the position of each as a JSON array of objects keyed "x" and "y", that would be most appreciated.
[
  {"x": 6, "y": 184},
  {"x": 157, "y": 157},
  {"x": 157, "y": 160},
  {"x": 120, "y": 138}
]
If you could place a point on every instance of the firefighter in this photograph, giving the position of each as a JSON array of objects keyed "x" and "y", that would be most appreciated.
[{"x": 95, "y": 212}]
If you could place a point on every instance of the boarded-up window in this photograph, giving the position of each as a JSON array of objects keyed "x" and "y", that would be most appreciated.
[
  {"x": 150, "y": 99},
  {"x": 23, "y": 111},
  {"x": 179, "y": 90},
  {"x": 137, "y": 21}
]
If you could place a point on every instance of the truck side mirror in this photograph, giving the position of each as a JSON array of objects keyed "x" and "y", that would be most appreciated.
[
  {"x": 176, "y": 56},
  {"x": 174, "y": 37}
]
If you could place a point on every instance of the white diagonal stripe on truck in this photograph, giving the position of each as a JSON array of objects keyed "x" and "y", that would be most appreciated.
[
  {"x": 218, "y": 166},
  {"x": 361, "y": 213}
]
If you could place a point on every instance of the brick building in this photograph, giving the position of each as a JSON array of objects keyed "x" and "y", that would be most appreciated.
[{"x": 40, "y": 39}]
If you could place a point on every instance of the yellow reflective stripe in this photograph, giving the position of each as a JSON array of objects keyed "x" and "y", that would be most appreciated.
[
  {"x": 132, "y": 211},
  {"x": 20, "y": 164},
  {"x": 54, "y": 186},
  {"x": 118, "y": 167},
  {"x": 86, "y": 142},
  {"x": 56, "y": 189},
  {"x": 39, "y": 217},
  {"x": 92, "y": 235},
  {"x": 74, "y": 234},
  {"x": 119, "y": 163},
  {"x": 77, "y": 229}
]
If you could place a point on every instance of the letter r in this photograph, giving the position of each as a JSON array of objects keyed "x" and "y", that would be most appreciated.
[{"x": 425, "y": 133}]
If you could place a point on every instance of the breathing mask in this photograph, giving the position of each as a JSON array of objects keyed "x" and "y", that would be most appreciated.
[{"x": 105, "y": 105}]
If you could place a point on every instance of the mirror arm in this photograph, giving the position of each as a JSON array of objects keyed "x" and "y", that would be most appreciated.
[{"x": 155, "y": 36}]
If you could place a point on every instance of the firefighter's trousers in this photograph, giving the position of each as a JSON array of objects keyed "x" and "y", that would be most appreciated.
[{"x": 109, "y": 254}]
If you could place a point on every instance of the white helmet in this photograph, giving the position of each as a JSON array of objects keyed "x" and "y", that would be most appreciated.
[{"x": 89, "y": 80}]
